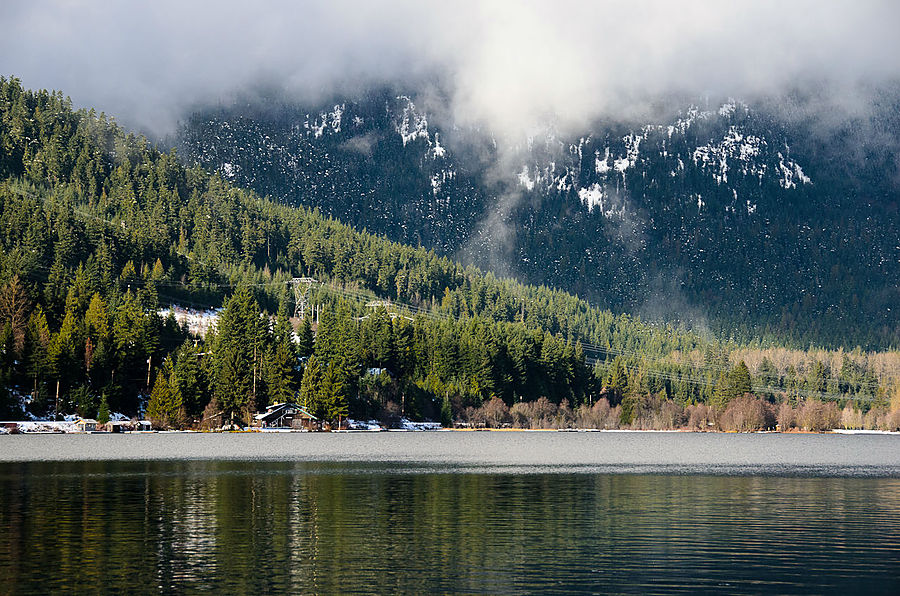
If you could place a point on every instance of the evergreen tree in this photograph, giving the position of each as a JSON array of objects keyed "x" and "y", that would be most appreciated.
[
  {"x": 722, "y": 393},
  {"x": 332, "y": 395},
  {"x": 310, "y": 388},
  {"x": 281, "y": 363},
  {"x": 238, "y": 355},
  {"x": 38, "y": 364},
  {"x": 191, "y": 379},
  {"x": 103, "y": 412},
  {"x": 166, "y": 406},
  {"x": 160, "y": 404},
  {"x": 305, "y": 337},
  {"x": 818, "y": 378},
  {"x": 740, "y": 382}
]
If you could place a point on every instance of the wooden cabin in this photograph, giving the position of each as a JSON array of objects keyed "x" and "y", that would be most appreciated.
[{"x": 287, "y": 415}]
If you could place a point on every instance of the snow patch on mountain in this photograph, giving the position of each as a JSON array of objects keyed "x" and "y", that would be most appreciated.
[
  {"x": 728, "y": 108},
  {"x": 525, "y": 178},
  {"x": 601, "y": 166},
  {"x": 437, "y": 150},
  {"x": 336, "y": 113},
  {"x": 592, "y": 196},
  {"x": 791, "y": 173},
  {"x": 411, "y": 124},
  {"x": 735, "y": 150},
  {"x": 439, "y": 179},
  {"x": 326, "y": 121}
]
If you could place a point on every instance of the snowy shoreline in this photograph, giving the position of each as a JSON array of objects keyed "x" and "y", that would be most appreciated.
[{"x": 70, "y": 427}]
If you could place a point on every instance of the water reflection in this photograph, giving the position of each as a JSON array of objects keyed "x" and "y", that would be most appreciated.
[{"x": 260, "y": 527}]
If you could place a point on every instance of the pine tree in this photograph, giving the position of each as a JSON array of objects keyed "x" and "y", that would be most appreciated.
[
  {"x": 332, "y": 395},
  {"x": 280, "y": 363},
  {"x": 190, "y": 379},
  {"x": 160, "y": 402},
  {"x": 310, "y": 388},
  {"x": 305, "y": 343},
  {"x": 722, "y": 393},
  {"x": 103, "y": 412},
  {"x": 176, "y": 414},
  {"x": 238, "y": 355},
  {"x": 37, "y": 356},
  {"x": 740, "y": 380},
  {"x": 166, "y": 406},
  {"x": 818, "y": 378}
]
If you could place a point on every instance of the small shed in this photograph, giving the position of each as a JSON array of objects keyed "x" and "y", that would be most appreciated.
[
  {"x": 286, "y": 415},
  {"x": 86, "y": 425}
]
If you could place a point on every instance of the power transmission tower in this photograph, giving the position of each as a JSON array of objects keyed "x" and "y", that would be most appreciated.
[{"x": 301, "y": 287}]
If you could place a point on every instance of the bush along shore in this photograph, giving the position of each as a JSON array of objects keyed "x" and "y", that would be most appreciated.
[{"x": 743, "y": 414}]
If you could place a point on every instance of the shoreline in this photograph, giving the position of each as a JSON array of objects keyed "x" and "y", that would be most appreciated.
[{"x": 258, "y": 430}]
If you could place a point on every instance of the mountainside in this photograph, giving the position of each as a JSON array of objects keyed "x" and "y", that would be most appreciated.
[{"x": 739, "y": 219}]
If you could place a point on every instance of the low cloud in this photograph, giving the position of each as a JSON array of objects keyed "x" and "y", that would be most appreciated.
[{"x": 506, "y": 65}]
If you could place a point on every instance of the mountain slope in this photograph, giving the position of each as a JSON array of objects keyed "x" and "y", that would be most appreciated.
[{"x": 730, "y": 217}]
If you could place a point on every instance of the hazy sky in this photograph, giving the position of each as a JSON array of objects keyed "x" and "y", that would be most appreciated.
[{"x": 508, "y": 64}]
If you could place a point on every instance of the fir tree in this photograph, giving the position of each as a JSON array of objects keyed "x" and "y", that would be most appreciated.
[
  {"x": 310, "y": 388},
  {"x": 103, "y": 412},
  {"x": 332, "y": 395},
  {"x": 160, "y": 403},
  {"x": 280, "y": 363},
  {"x": 238, "y": 355},
  {"x": 305, "y": 339}
]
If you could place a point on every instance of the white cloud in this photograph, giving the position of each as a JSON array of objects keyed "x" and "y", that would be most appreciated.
[{"x": 508, "y": 64}]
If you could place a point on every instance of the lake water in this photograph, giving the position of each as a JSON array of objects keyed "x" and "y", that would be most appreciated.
[{"x": 450, "y": 512}]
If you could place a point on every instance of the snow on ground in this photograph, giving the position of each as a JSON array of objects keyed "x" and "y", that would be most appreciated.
[
  {"x": 601, "y": 165},
  {"x": 46, "y": 426},
  {"x": 592, "y": 196},
  {"x": 791, "y": 173},
  {"x": 370, "y": 425},
  {"x": 198, "y": 322},
  {"x": 847, "y": 431},
  {"x": 438, "y": 150},
  {"x": 412, "y": 125},
  {"x": 407, "y": 424}
]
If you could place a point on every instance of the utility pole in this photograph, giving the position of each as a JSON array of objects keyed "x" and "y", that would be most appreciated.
[
  {"x": 56, "y": 412},
  {"x": 254, "y": 375},
  {"x": 149, "y": 361}
]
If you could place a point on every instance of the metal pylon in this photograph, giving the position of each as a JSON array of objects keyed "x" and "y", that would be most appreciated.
[{"x": 301, "y": 287}]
